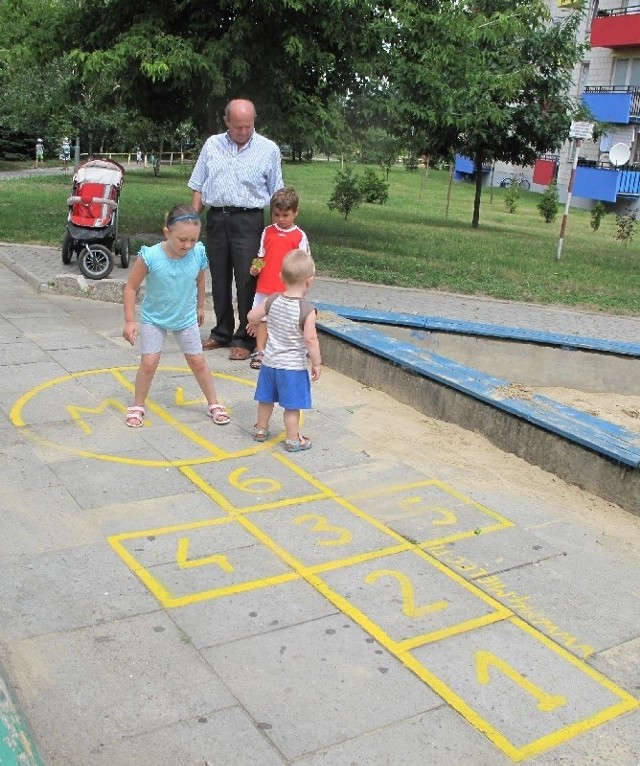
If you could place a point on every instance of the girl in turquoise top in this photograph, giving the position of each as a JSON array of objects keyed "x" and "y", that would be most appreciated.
[{"x": 174, "y": 276}]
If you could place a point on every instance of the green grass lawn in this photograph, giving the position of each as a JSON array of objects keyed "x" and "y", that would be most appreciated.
[{"x": 407, "y": 242}]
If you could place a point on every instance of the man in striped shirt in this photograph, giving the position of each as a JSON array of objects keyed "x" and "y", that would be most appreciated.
[{"x": 235, "y": 176}]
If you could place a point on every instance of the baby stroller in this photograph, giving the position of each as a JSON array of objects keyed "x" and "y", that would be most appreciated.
[{"x": 92, "y": 224}]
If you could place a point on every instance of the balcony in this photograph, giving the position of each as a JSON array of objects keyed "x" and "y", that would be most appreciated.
[
  {"x": 597, "y": 181},
  {"x": 465, "y": 168},
  {"x": 618, "y": 105},
  {"x": 616, "y": 28}
]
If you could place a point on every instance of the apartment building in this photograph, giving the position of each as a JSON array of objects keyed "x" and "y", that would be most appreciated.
[{"x": 607, "y": 81}]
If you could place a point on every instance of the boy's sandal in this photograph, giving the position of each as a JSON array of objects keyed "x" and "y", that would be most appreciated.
[
  {"x": 260, "y": 434},
  {"x": 218, "y": 414},
  {"x": 297, "y": 445},
  {"x": 135, "y": 416},
  {"x": 256, "y": 360}
]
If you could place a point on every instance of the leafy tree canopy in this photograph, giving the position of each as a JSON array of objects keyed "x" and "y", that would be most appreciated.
[
  {"x": 485, "y": 78},
  {"x": 188, "y": 57}
]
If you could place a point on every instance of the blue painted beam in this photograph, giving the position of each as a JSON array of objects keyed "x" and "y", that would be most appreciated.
[
  {"x": 481, "y": 329},
  {"x": 608, "y": 439}
]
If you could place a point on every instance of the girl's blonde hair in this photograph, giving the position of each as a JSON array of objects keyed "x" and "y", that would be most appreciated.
[
  {"x": 182, "y": 212},
  {"x": 297, "y": 267}
]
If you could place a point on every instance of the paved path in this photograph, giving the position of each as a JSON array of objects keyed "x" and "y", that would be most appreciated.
[
  {"x": 402, "y": 594},
  {"x": 39, "y": 265}
]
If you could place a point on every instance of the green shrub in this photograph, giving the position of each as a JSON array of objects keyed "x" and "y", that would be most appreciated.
[
  {"x": 548, "y": 203},
  {"x": 373, "y": 188},
  {"x": 597, "y": 214},
  {"x": 512, "y": 196},
  {"x": 347, "y": 194},
  {"x": 411, "y": 163},
  {"x": 625, "y": 227}
]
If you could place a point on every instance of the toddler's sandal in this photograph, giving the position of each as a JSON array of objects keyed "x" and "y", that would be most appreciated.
[
  {"x": 297, "y": 445},
  {"x": 256, "y": 360},
  {"x": 260, "y": 434},
  {"x": 135, "y": 416},
  {"x": 218, "y": 414}
]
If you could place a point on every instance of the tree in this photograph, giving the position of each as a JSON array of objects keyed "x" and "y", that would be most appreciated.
[
  {"x": 347, "y": 194},
  {"x": 548, "y": 203},
  {"x": 288, "y": 56},
  {"x": 488, "y": 79}
]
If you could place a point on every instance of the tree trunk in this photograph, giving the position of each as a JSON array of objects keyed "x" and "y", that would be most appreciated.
[
  {"x": 451, "y": 171},
  {"x": 475, "y": 221}
]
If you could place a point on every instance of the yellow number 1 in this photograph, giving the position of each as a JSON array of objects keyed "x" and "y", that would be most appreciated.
[{"x": 546, "y": 702}]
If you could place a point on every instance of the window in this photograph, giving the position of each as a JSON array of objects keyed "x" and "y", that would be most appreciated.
[{"x": 626, "y": 73}]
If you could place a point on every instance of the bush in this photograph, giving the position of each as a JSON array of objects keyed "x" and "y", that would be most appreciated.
[
  {"x": 373, "y": 188},
  {"x": 512, "y": 195},
  {"x": 548, "y": 203},
  {"x": 597, "y": 214},
  {"x": 625, "y": 227},
  {"x": 346, "y": 194},
  {"x": 411, "y": 163}
]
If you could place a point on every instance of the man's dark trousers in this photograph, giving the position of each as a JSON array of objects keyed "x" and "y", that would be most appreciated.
[{"x": 233, "y": 240}]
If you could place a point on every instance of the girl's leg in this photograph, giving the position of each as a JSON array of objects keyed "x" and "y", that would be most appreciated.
[
  {"x": 202, "y": 373},
  {"x": 144, "y": 377}
]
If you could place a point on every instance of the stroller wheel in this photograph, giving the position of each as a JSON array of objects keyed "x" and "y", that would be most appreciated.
[
  {"x": 95, "y": 261},
  {"x": 124, "y": 252},
  {"x": 67, "y": 251}
]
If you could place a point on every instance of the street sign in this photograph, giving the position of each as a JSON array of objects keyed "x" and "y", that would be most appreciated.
[{"x": 581, "y": 130}]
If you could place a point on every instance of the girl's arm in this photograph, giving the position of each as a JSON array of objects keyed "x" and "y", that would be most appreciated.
[
  {"x": 200, "y": 283},
  {"x": 312, "y": 343},
  {"x": 136, "y": 278}
]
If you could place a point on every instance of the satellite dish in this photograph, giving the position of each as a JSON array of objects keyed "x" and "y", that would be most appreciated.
[{"x": 619, "y": 154}]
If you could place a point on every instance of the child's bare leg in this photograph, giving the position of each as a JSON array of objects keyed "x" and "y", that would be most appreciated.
[
  {"x": 265, "y": 410},
  {"x": 144, "y": 377},
  {"x": 292, "y": 424},
  {"x": 202, "y": 373},
  {"x": 261, "y": 337}
]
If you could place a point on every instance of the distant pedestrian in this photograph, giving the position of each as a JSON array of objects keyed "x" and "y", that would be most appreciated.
[
  {"x": 283, "y": 376},
  {"x": 138, "y": 156},
  {"x": 174, "y": 272},
  {"x": 65, "y": 152},
  {"x": 39, "y": 152},
  {"x": 278, "y": 239}
]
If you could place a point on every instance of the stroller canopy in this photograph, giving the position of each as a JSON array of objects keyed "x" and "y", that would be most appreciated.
[{"x": 107, "y": 172}]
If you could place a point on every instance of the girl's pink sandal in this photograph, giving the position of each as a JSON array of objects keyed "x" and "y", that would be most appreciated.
[
  {"x": 218, "y": 414},
  {"x": 135, "y": 416}
]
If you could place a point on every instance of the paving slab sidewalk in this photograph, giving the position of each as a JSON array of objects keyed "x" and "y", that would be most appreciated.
[{"x": 401, "y": 594}]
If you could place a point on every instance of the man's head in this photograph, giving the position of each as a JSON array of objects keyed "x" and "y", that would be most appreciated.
[{"x": 240, "y": 117}]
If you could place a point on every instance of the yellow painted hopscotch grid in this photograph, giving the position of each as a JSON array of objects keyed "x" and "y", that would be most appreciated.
[
  {"x": 439, "y": 607},
  {"x": 327, "y": 532}
]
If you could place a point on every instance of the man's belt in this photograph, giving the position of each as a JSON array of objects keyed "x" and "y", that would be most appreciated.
[{"x": 231, "y": 210}]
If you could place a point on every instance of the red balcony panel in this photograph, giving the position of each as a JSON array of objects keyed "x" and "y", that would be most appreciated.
[{"x": 616, "y": 31}]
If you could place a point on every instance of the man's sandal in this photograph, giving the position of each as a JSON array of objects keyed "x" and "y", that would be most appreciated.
[
  {"x": 256, "y": 360},
  {"x": 260, "y": 434},
  {"x": 218, "y": 414},
  {"x": 297, "y": 445},
  {"x": 135, "y": 416}
]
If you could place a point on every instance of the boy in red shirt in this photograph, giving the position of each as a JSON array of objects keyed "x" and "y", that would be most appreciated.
[{"x": 278, "y": 239}]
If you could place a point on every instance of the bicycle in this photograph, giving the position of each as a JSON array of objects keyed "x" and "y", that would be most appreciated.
[{"x": 520, "y": 180}]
